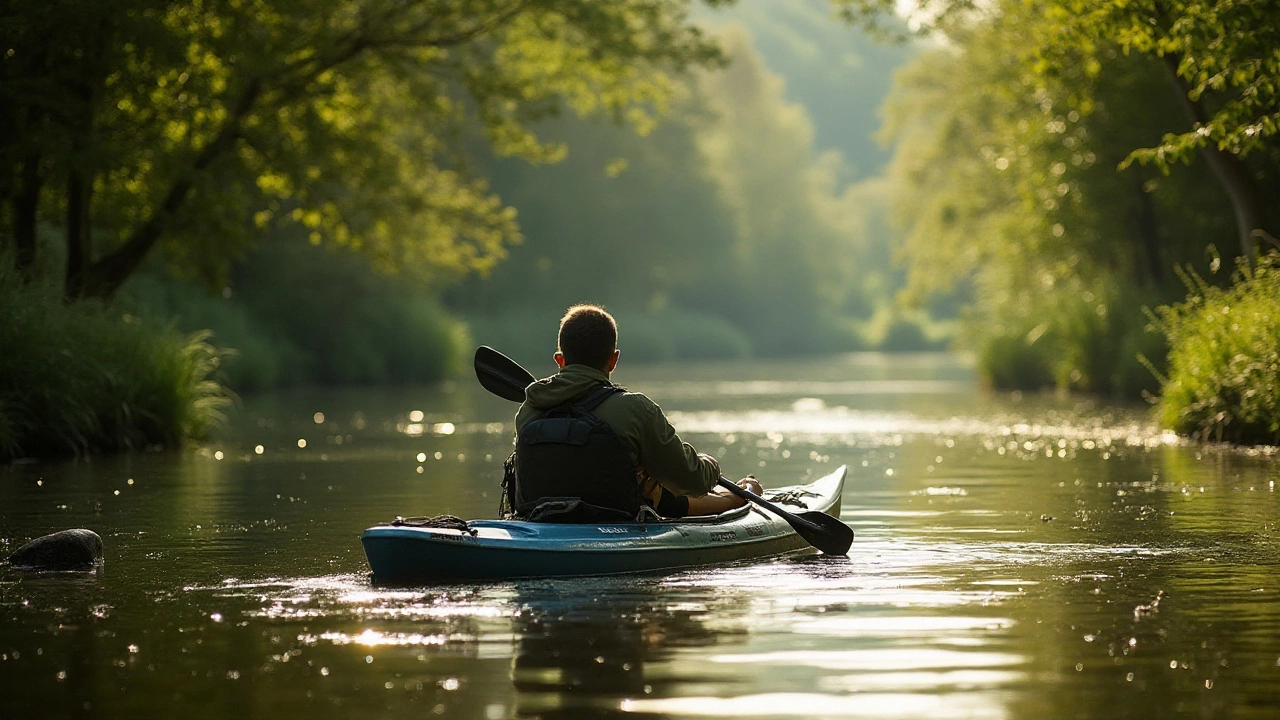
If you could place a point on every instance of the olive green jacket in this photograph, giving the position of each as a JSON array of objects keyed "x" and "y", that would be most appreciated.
[{"x": 637, "y": 421}]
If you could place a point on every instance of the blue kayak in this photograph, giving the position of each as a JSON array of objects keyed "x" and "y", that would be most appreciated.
[{"x": 508, "y": 549}]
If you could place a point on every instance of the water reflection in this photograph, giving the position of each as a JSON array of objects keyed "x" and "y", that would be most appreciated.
[
  {"x": 802, "y": 637},
  {"x": 582, "y": 649},
  {"x": 1016, "y": 558}
]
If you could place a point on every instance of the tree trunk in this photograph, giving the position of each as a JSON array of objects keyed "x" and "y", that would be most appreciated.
[
  {"x": 84, "y": 87},
  {"x": 1147, "y": 227},
  {"x": 1230, "y": 171},
  {"x": 26, "y": 201},
  {"x": 79, "y": 239}
]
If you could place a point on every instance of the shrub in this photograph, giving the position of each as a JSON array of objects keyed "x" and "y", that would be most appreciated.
[
  {"x": 255, "y": 359},
  {"x": 338, "y": 322},
  {"x": 892, "y": 329},
  {"x": 78, "y": 378},
  {"x": 298, "y": 314},
  {"x": 1224, "y": 358},
  {"x": 1077, "y": 339},
  {"x": 1011, "y": 361}
]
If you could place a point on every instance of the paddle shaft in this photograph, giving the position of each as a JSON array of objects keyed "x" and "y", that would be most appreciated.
[{"x": 749, "y": 496}]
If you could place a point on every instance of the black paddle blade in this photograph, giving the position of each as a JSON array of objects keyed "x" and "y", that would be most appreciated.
[
  {"x": 501, "y": 375},
  {"x": 823, "y": 531}
]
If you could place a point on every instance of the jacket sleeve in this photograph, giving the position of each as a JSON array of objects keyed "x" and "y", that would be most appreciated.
[{"x": 672, "y": 462}]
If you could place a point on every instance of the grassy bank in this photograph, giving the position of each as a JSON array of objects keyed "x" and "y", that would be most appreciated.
[
  {"x": 78, "y": 378},
  {"x": 1224, "y": 359}
]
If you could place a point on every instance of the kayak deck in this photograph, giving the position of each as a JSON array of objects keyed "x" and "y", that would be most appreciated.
[{"x": 509, "y": 549}]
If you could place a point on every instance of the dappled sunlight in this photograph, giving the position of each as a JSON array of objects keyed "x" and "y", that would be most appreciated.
[
  {"x": 811, "y": 390},
  {"x": 350, "y": 596},
  {"x": 811, "y": 705},
  {"x": 875, "y": 660},
  {"x": 845, "y": 425}
]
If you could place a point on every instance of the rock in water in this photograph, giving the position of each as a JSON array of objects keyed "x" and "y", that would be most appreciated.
[{"x": 66, "y": 550}]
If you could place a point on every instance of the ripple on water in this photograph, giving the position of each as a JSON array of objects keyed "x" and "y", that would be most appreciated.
[
  {"x": 810, "y": 705},
  {"x": 844, "y": 426}
]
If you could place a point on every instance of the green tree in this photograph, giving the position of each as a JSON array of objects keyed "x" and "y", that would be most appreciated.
[
  {"x": 1221, "y": 57},
  {"x": 840, "y": 77},
  {"x": 800, "y": 234},
  {"x": 138, "y": 124},
  {"x": 1010, "y": 177},
  {"x": 726, "y": 210}
]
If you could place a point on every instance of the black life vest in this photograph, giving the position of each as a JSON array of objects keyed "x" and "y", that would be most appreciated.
[{"x": 571, "y": 467}]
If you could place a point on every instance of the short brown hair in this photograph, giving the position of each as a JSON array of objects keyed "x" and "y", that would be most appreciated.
[{"x": 588, "y": 336}]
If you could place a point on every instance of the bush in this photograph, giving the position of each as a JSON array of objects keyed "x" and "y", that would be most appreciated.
[
  {"x": 1224, "y": 359},
  {"x": 78, "y": 378},
  {"x": 338, "y": 322},
  {"x": 891, "y": 329},
  {"x": 1077, "y": 339},
  {"x": 1015, "y": 361},
  {"x": 299, "y": 314},
  {"x": 255, "y": 359}
]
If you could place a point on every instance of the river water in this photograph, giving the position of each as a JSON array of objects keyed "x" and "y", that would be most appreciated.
[{"x": 1016, "y": 557}]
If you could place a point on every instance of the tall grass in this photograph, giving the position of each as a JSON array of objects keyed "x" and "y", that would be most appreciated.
[
  {"x": 1224, "y": 358},
  {"x": 79, "y": 378}
]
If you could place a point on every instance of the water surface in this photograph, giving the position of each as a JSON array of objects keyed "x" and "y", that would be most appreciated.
[{"x": 1016, "y": 557}]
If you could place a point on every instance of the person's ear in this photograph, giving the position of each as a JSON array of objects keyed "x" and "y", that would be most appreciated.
[
  {"x": 613, "y": 361},
  {"x": 559, "y": 359}
]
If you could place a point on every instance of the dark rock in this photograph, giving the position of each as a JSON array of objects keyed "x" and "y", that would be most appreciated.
[{"x": 75, "y": 549}]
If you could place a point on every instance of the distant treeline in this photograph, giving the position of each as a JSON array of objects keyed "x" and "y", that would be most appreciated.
[
  {"x": 724, "y": 226},
  {"x": 720, "y": 233},
  {"x": 172, "y": 139}
]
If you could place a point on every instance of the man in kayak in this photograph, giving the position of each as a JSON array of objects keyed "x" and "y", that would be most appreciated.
[{"x": 588, "y": 450}]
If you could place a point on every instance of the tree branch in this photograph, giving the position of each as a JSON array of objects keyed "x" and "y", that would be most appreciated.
[
  {"x": 104, "y": 277},
  {"x": 108, "y": 274}
]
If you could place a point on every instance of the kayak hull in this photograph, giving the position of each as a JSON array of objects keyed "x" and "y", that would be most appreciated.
[{"x": 511, "y": 549}]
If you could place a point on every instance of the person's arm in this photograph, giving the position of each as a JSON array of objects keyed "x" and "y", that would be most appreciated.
[
  {"x": 720, "y": 500},
  {"x": 672, "y": 462}
]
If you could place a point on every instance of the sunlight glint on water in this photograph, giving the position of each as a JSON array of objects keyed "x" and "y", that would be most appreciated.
[{"x": 1015, "y": 558}]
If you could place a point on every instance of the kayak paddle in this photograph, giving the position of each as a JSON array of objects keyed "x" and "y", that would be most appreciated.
[
  {"x": 501, "y": 375},
  {"x": 505, "y": 378},
  {"x": 822, "y": 531}
]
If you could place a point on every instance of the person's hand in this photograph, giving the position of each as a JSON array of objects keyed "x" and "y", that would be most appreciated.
[{"x": 750, "y": 483}]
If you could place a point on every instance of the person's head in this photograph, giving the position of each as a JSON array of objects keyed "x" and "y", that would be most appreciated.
[{"x": 588, "y": 336}]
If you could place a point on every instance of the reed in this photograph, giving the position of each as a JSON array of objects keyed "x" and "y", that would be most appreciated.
[{"x": 80, "y": 378}]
